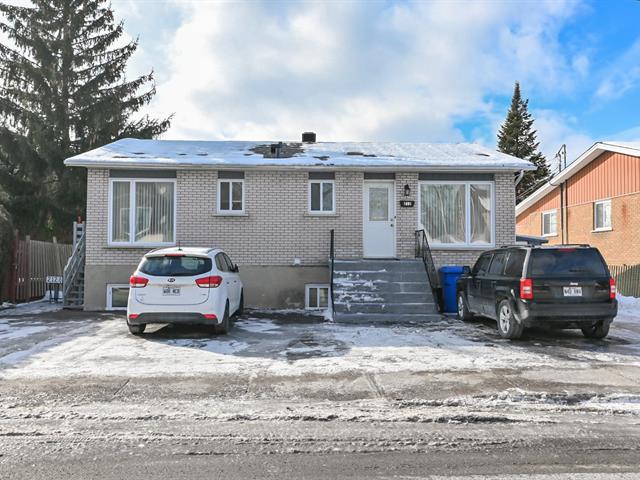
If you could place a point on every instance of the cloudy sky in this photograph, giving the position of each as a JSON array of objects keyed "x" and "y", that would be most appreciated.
[{"x": 390, "y": 70}]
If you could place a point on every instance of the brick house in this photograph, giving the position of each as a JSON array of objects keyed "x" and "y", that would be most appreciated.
[
  {"x": 595, "y": 200},
  {"x": 272, "y": 207}
]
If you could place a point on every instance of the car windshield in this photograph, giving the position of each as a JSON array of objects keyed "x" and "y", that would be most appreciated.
[
  {"x": 567, "y": 262},
  {"x": 175, "y": 266}
]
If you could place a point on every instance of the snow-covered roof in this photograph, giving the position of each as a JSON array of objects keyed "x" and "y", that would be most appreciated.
[
  {"x": 135, "y": 153},
  {"x": 598, "y": 148}
]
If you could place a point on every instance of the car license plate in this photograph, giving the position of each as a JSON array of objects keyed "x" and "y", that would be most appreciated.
[
  {"x": 572, "y": 291},
  {"x": 170, "y": 291}
]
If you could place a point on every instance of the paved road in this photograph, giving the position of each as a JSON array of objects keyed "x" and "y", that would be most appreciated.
[{"x": 83, "y": 399}]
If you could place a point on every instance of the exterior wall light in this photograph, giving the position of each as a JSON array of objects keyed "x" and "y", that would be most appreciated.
[{"x": 407, "y": 190}]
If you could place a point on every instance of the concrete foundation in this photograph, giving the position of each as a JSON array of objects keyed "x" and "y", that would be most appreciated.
[{"x": 264, "y": 286}]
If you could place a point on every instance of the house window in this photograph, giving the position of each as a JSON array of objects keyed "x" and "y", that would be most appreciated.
[
  {"x": 117, "y": 297},
  {"x": 142, "y": 212},
  {"x": 321, "y": 196},
  {"x": 457, "y": 213},
  {"x": 231, "y": 196},
  {"x": 550, "y": 223},
  {"x": 602, "y": 215},
  {"x": 316, "y": 297}
]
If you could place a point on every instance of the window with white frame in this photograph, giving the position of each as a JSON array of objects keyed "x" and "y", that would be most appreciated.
[
  {"x": 117, "y": 297},
  {"x": 231, "y": 196},
  {"x": 457, "y": 213},
  {"x": 550, "y": 223},
  {"x": 321, "y": 196},
  {"x": 142, "y": 212},
  {"x": 316, "y": 296},
  {"x": 602, "y": 215}
]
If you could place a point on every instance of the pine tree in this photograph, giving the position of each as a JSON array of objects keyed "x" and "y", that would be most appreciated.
[
  {"x": 517, "y": 137},
  {"x": 63, "y": 90}
]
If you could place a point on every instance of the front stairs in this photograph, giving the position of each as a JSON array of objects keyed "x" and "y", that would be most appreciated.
[{"x": 387, "y": 291}]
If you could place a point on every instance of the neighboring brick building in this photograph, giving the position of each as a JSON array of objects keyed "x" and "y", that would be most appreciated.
[
  {"x": 595, "y": 200},
  {"x": 272, "y": 207}
]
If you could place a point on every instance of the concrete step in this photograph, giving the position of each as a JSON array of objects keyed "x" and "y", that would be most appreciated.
[
  {"x": 395, "y": 318},
  {"x": 378, "y": 265},
  {"x": 346, "y": 277},
  {"x": 399, "y": 308},
  {"x": 373, "y": 296},
  {"x": 383, "y": 287}
]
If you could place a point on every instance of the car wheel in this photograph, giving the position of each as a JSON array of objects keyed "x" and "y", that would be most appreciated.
[
  {"x": 598, "y": 331},
  {"x": 508, "y": 326},
  {"x": 223, "y": 328},
  {"x": 240, "y": 310},
  {"x": 463, "y": 312},
  {"x": 137, "y": 329}
]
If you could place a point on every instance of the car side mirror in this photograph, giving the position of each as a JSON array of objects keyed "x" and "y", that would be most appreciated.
[
  {"x": 236, "y": 268},
  {"x": 466, "y": 270}
]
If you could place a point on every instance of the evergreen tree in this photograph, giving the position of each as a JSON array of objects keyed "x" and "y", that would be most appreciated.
[
  {"x": 518, "y": 138},
  {"x": 62, "y": 91}
]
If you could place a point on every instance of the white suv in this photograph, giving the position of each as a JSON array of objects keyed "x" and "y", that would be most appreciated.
[{"x": 184, "y": 285}]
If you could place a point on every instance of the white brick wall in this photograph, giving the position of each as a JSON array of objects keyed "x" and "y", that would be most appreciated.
[{"x": 277, "y": 227}]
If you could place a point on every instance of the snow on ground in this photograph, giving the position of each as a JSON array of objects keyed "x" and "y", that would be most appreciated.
[
  {"x": 102, "y": 346},
  {"x": 30, "y": 308}
]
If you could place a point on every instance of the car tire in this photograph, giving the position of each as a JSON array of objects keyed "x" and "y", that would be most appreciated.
[
  {"x": 463, "y": 310},
  {"x": 508, "y": 326},
  {"x": 136, "y": 329},
  {"x": 224, "y": 327},
  {"x": 598, "y": 331},
  {"x": 240, "y": 310}
]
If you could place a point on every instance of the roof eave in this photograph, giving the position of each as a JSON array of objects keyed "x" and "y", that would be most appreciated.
[{"x": 236, "y": 166}]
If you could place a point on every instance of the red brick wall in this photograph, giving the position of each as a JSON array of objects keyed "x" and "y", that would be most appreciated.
[{"x": 611, "y": 175}]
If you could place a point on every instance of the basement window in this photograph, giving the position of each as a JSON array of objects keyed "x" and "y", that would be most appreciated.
[
  {"x": 117, "y": 297},
  {"x": 316, "y": 296}
]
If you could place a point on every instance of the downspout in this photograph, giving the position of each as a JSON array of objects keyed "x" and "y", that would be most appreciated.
[{"x": 519, "y": 177}]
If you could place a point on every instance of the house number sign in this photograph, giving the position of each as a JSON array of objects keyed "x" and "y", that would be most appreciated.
[{"x": 407, "y": 203}]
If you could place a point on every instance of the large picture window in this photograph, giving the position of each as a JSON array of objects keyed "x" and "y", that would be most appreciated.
[
  {"x": 457, "y": 213},
  {"x": 142, "y": 212}
]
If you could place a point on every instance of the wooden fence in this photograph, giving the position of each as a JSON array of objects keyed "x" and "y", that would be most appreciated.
[
  {"x": 627, "y": 279},
  {"x": 33, "y": 261}
]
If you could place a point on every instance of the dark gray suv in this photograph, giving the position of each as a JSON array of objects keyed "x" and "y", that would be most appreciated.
[{"x": 564, "y": 286}]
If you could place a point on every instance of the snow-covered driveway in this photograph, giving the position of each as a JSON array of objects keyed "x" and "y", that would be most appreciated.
[{"x": 54, "y": 344}]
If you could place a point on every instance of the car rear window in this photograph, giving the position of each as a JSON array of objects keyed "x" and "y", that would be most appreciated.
[
  {"x": 515, "y": 263},
  {"x": 567, "y": 262},
  {"x": 168, "y": 266}
]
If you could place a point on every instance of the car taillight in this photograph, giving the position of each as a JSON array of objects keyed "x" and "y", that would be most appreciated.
[
  {"x": 526, "y": 289},
  {"x": 612, "y": 289},
  {"x": 209, "y": 282},
  {"x": 210, "y": 316},
  {"x": 138, "y": 282}
]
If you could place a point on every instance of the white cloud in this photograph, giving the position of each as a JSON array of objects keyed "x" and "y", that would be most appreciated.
[
  {"x": 622, "y": 75},
  {"x": 554, "y": 130},
  {"x": 356, "y": 70}
]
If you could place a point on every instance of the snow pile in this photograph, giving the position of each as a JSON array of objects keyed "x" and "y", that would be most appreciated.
[{"x": 629, "y": 308}]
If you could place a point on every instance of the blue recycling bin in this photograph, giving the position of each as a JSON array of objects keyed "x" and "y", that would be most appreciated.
[{"x": 448, "y": 277}]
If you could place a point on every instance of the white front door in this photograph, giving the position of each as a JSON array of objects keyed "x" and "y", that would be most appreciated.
[{"x": 379, "y": 220}]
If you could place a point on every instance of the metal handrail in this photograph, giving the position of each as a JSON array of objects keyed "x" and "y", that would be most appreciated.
[
  {"x": 73, "y": 266},
  {"x": 423, "y": 251},
  {"x": 332, "y": 257}
]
